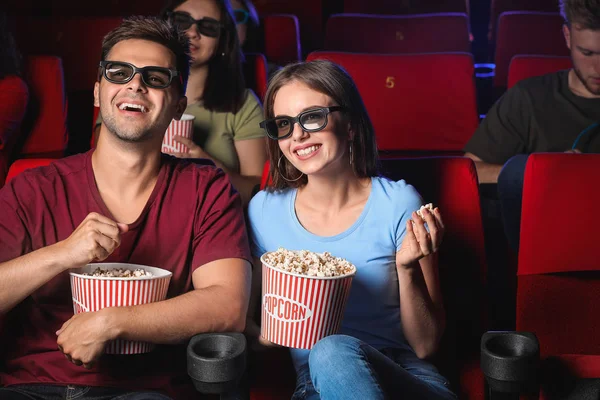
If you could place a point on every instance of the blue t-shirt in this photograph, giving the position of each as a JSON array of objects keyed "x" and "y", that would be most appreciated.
[{"x": 373, "y": 310}]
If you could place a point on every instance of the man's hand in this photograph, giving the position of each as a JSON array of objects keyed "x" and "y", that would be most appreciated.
[
  {"x": 419, "y": 243},
  {"x": 194, "y": 151},
  {"x": 82, "y": 339},
  {"x": 93, "y": 240}
]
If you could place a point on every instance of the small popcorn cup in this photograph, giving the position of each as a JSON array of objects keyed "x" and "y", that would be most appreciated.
[
  {"x": 299, "y": 310},
  {"x": 93, "y": 293},
  {"x": 183, "y": 127}
]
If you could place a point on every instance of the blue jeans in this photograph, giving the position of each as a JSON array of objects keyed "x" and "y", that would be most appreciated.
[
  {"x": 343, "y": 367},
  {"x": 510, "y": 194},
  {"x": 71, "y": 392}
]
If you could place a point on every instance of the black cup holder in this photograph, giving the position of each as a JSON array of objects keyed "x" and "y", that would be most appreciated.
[
  {"x": 216, "y": 361},
  {"x": 510, "y": 361}
]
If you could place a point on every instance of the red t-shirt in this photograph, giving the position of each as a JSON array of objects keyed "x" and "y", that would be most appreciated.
[{"x": 193, "y": 217}]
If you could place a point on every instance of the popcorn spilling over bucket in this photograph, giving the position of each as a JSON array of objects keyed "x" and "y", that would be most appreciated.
[
  {"x": 298, "y": 309},
  {"x": 183, "y": 127},
  {"x": 92, "y": 293}
]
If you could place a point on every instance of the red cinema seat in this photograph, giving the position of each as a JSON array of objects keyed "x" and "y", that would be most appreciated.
[
  {"x": 14, "y": 96},
  {"x": 425, "y": 33},
  {"x": 21, "y": 165},
  {"x": 45, "y": 125},
  {"x": 281, "y": 38},
  {"x": 558, "y": 274},
  {"x": 450, "y": 183},
  {"x": 501, "y": 6},
  {"x": 525, "y": 66},
  {"x": 534, "y": 33},
  {"x": 405, "y": 6},
  {"x": 77, "y": 40},
  {"x": 255, "y": 73},
  {"x": 417, "y": 103},
  {"x": 309, "y": 13},
  {"x": 108, "y": 7}
]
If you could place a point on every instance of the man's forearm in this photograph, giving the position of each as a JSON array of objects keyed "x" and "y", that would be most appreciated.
[
  {"x": 211, "y": 309},
  {"x": 24, "y": 275},
  {"x": 487, "y": 173}
]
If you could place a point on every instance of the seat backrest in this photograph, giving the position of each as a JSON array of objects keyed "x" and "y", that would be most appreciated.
[
  {"x": 535, "y": 33},
  {"x": 405, "y": 6},
  {"x": 407, "y": 97},
  {"x": 424, "y": 33},
  {"x": 501, "y": 6},
  {"x": 450, "y": 183},
  {"x": 281, "y": 38},
  {"x": 558, "y": 273},
  {"x": 108, "y": 8},
  {"x": 21, "y": 165},
  {"x": 310, "y": 16},
  {"x": 526, "y": 66},
  {"x": 255, "y": 73},
  {"x": 45, "y": 124},
  {"x": 77, "y": 40}
]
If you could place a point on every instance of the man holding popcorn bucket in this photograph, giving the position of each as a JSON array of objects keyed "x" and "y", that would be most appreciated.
[{"x": 122, "y": 202}]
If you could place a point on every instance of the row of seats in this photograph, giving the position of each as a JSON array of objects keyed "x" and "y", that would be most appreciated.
[
  {"x": 422, "y": 103},
  {"x": 538, "y": 33},
  {"x": 77, "y": 39},
  {"x": 311, "y": 13},
  {"x": 558, "y": 277}
]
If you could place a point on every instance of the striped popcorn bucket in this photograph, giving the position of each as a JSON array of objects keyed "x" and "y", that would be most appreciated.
[
  {"x": 298, "y": 310},
  {"x": 183, "y": 127},
  {"x": 92, "y": 293}
]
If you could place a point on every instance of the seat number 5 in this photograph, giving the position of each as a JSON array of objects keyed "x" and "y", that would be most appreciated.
[{"x": 390, "y": 82}]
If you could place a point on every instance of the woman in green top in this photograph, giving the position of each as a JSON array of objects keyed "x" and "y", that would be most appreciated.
[{"x": 227, "y": 114}]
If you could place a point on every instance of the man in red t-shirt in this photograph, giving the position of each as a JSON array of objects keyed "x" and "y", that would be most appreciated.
[{"x": 125, "y": 201}]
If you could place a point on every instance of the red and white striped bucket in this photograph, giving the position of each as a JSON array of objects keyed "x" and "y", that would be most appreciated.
[
  {"x": 299, "y": 310},
  {"x": 92, "y": 293},
  {"x": 183, "y": 127}
]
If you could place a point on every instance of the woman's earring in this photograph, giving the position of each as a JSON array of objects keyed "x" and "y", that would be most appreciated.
[
  {"x": 283, "y": 176},
  {"x": 223, "y": 54},
  {"x": 351, "y": 155}
]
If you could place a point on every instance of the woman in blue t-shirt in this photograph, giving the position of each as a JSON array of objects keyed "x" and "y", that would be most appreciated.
[{"x": 326, "y": 195}]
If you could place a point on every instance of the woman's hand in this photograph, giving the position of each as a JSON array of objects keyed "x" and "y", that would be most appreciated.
[
  {"x": 419, "y": 243},
  {"x": 194, "y": 151}
]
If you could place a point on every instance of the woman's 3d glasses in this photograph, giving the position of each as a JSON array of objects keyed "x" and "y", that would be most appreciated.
[
  {"x": 206, "y": 26},
  {"x": 312, "y": 120}
]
